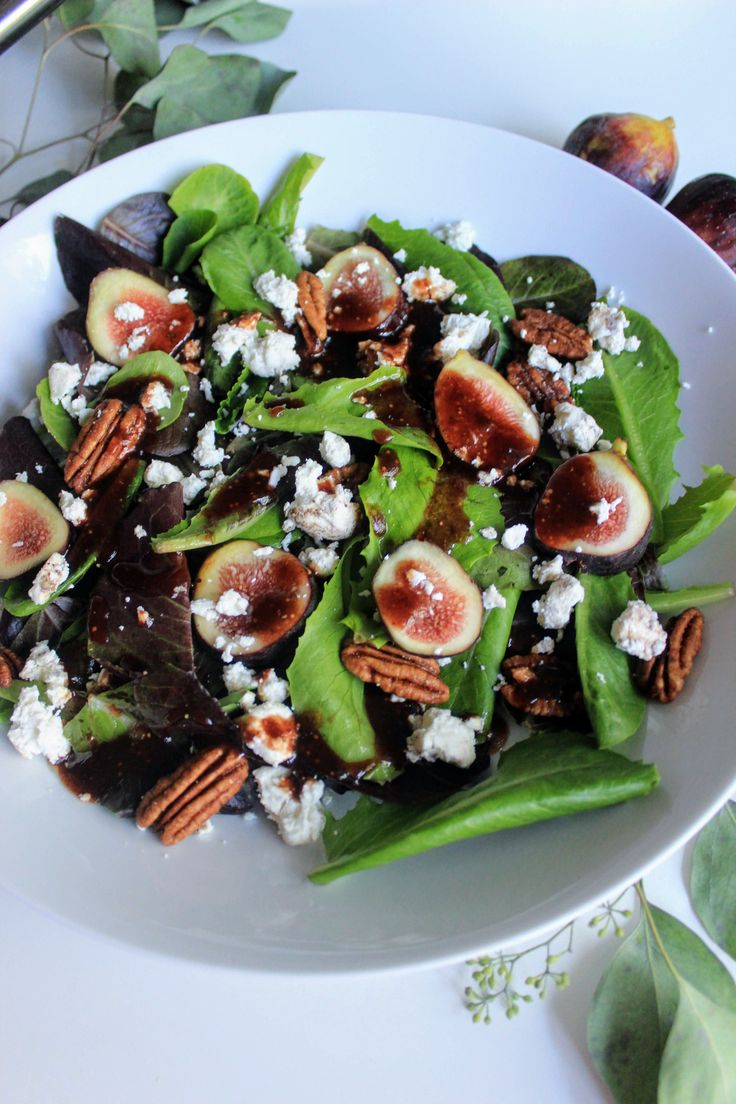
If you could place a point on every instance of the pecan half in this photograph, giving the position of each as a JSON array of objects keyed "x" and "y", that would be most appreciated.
[
  {"x": 181, "y": 802},
  {"x": 10, "y": 665},
  {"x": 415, "y": 678},
  {"x": 373, "y": 353},
  {"x": 103, "y": 443},
  {"x": 663, "y": 678},
  {"x": 559, "y": 336},
  {"x": 537, "y": 386},
  {"x": 311, "y": 299},
  {"x": 541, "y": 685}
]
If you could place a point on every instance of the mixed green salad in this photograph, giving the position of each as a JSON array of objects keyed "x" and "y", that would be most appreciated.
[{"x": 301, "y": 513}]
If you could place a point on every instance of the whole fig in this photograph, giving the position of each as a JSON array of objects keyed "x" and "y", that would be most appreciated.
[
  {"x": 636, "y": 148},
  {"x": 708, "y": 206}
]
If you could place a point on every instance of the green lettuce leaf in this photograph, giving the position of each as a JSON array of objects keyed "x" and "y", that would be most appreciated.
[
  {"x": 696, "y": 514},
  {"x": 153, "y": 366},
  {"x": 323, "y": 243},
  {"x": 210, "y": 201},
  {"x": 233, "y": 260},
  {"x": 259, "y": 522},
  {"x": 471, "y": 676},
  {"x": 103, "y": 718},
  {"x": 536, "y": 281},
  {"x": 550, "y": 775},
  {"x": 666, "y": 602},
  {"x": 60, "y": 425},
  {"x": 280, "y": 210},
  {"x": 482, "y": 506},
  {"x": 482, "y": 288}
]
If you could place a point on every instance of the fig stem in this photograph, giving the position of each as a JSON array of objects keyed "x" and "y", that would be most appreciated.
[{"x": 673, "y": 601}]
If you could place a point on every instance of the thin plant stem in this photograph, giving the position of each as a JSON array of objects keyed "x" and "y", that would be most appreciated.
[
  {"x": 36, "y": 84},
  {"x": 639, "y": 887}
]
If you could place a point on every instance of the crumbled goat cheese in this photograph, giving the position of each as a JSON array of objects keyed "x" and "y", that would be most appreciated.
[
  {"x": 98, "y": 372},
  {"x": 321, "y": 561},
  {"x": 155, "y": 396},
  {"x": 606, "y": 325},
  {"x": 488, "y": 532},
  {"x": 205, "y": 452},
  {"x": 229, "y": 339},
  {"x": 140, "y": 532},
  {"x": 546, "y": 571},
  {"x": 77, "y": 408},
  {"x": 270, "y": 731},
  {"x": 459, "y": 235},
  {"x": 539, "y": 358},
  {"x": 600, "y": 676},
  {"x": 488, "y": 478},
  {"x": 400, "y": 255},
  {"x": 279, "y": 290},
  {"x": 296, "y": 811},
  {"x": 334, "y": 449},
  {"x": 192, "y": 485},
  {"x": 277, "y": 474},
  {"x": 514, "y": 536},
  {"x": 238, "y": 677},
  {"x": 462, "y": 331},
  {"x": 35, "y": 729},
  {"x": 204, "y": 608},
  {"x": 295, "y": 242},
  {"x": 419, "y": 581},
  {"x": 129, "y": 312},
  {"x": 43, "y": 665},
  {"x": 232, "y": 603},
  {"x": 493, "y": 598},
  {"x": 4, "y": 498},
  {"x": 63, "y": 378},
  {"x": 135, "y": 341},
  {"x": 273, "y": 355},
  {"x": 264, "y": 550},
  {"x": 427, "y": 284},
  {"x": 160, "y": 473},
  {"x": 143, "y": 616},
  {"x": 271, "y": 688},
  {"x": 21, "y": 477},
  {"x": 72, "y": 508},
  {"x": 603, "y": 509},
  {"x": 554, "y": 608},
  {"x": 572, "y": 428},
  {"x": 178, "y": 295},
  {"x": 545, "y": 646},
  {"x": 591, "y": 367},
  {"x": 319, "y": 514},
  {"x": 458, "y": 299},
  {"x": 638, "y": 632},
  {"x": 206, "y": 388},
  {"x": 49, "y": 577},
  {"x": 225, "y": 644},
  {"x": 436, "y": 734}
]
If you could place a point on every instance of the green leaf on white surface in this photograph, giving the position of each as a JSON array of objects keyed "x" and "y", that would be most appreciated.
[
  {"x": 713, "y": 878},
  {"x": 696, "y": 513}
]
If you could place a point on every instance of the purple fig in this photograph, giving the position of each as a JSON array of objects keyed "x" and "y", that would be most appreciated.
[
  {"x": 636, "y": 148},
  {"x": 708, "y": 206}
]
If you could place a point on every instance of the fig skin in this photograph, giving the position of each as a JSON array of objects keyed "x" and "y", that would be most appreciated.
[
  {"x": 708, "y": 206},
  {"x": 636, "y": 148},
  {"x": 564, "y": 522},
  {"x": 27, "y": 515}
]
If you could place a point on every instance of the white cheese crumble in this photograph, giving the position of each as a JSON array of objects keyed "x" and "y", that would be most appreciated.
[
  {"x": 554, "y": 608},
  {"x": 460, "y": 235},
  {"x": 129, "y": 312},
  {"x": 73, "y": 509},
  {"x": 321, "y": 561},
  {"x": 419, "y": 581},
  {"x": 63, "y": 378},
  {"x": 232, "y": 603},
  {"x": 21, "y": 477},
  {"x": 49, "y": 577},
  {"x": 606, "y": 325},
  {"x": 462, "y": 331},
  {"x": 237, "y": 676},
  {"x": 204, "y": 608},
  {"x": 572, "y": 428},
  {"x": 493, "y": 598},
  {"x": 35, "y": 729},
  {"x": 297, "y": 812},
  {"x": 98, "y": 372},
  {"x": 488, "y": 532},
  {"x": 603, "y": 509},
  {"x": 143, "y": 616},
  {"x": 591, "y": 367},
  {"x": 271, "y": 688},
  {"x": 43, "y": 665},
  {"x": 320, "y": 514},
  {"x": 140, "y": 532},
  {"x": 192, "y": 485},
  {"x": 538, "y": 357},
  {"x": 279, "y": 290},
  {"x": 427, "y": 284},
  {"x": 334, "y": 449},
  {"x": 4, "y": 498},
  {"x": 488, "y": 478},
  {"x": 205, "y": 452},
  {"x": 135, "y": 341},
  {"x": 178, "y": 295},
  {"x": 601, "y": 677},
  {"x": 155, "y": 396},
  {"x": 295, "y": 242},
  {"x": 514, "y": 536},
  {"x": 400, "y": 255},
  {"x": 436, "y": 734},
  {"x": 77, "y": 408},
  {"x": 160, "y": 473},
  {"x": 225, "y": 644},
  {"x": 546, "y": 571},
  {"x": 274, "y": 742},
  {"x": 545, "y": 646},
  {"x": 274, "y": 354},
  {"x": 206, "y": 388},
  {"x": 638, "y": 632}
]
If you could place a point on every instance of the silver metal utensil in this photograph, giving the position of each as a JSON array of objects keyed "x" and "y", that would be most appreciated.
[{"x": 18, "y": 16}]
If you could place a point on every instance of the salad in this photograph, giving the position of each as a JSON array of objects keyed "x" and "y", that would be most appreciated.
[{"x": 295, "y": 515}]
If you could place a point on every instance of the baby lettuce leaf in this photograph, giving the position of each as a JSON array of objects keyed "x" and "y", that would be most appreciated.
[
  {"x": 666, "y": 602},
  {"x": 233, "y": 260},
  {"x": 616, "y": 710},
  {"x": 713, "y": 878},
  {"x": 280, "y": 210},
  {"x": 697, "y": 513},
  {"x": 154, "y": 366},
  {"x": 332, "y": 405},
  {"x": 482, "y": 288},
  {"x": 545, "y": 776},
  {"x": 209, "y": 201},
  {"x": 640, "y": 405},
  {"x": 539, "y": 281},
  {"x": 471, "y": 676},
  {"x": 60, "y": 425},
  {"x": 187, "y": 237},
  {"x": 504, "y": 567},
  {"x": 103, "y": 718},
  {"x": 482, "y": 506},
  {"x": 321, "y": 687},
  {"x": 323, "y": 243}
]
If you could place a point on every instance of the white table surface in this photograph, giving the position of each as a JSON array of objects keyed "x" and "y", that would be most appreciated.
[{"x": 85, "y": 1020}]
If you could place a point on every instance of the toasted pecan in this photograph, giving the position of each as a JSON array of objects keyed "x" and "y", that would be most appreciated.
[
  {"x": 371, "y": 353},
  {"x": 537, "y": 386},
  {"x": 559, "y": 336},
  {"x": 663, "y": 677},
  {"x": 103, "y": 443},
  {"x": 541, "y": 685},
  {"x": 311, "y": 300},
  {"x": 415, "y": 678},
  {"x": 10, "y": 667}
]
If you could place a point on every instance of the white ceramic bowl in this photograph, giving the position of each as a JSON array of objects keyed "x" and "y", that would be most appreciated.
[{"x": 238, "y": 897}]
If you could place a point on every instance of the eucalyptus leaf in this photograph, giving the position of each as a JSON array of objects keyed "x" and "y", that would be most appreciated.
[
  {"x": 699, "y": 1060},
  {"x": 123, "y": 141},
  {"x": 697, "y": 513},
  {"x": 41, "y": 187},
  {"x": 60, "y": 425},
  {"x": 280, "y": 210},
  {"x": 243, "y": 20},
  {"x": 713, "y": 878},
  {"x": 128, "y": 28},
  {"x": 550, "y": 282},
  {"x": 236, "y": 258},
  {"x": 324, "y": 243}
]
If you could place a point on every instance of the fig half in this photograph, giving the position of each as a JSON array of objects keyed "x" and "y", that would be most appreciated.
[
  {"x": 31, "y": 528},
  {"x": 428, "y": 603},
  {"x": 250, "y": 597},
  {"x": 363, "y": 293},
  {"x": 595, "y": 510},
  {"x": 482, "y": 419},
  {"x": 129, "y": 314}
]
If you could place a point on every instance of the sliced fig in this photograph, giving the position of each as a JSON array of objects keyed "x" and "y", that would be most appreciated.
[
  {"x": 482, "y": 419},
  {"x": 249, "y": 597},
  {"x": 129, "y": 314},
  {"x": 595, "y": 510},
  {"x": 363, "y": 293},
  {"x": 31, "y": 528},
  {"x": 428, "y": 603}
]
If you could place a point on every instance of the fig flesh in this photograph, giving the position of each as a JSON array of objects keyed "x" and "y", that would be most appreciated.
[
  {"x": 31, "y": 528},
  {"x": 595, "y": 510},
  {"x": 250, "y": 597},
  {"x": 362, "y": 292},
  {"x": 427, "y": 601},
  {"x": 129, "y": 314},
  {"x": 636, "y": 148},
  {"x": 708, "y": 206},
  {"x": 482, "y": 419}
]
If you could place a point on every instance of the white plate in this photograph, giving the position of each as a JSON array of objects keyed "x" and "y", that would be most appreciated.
[{"x": 238, "y": 897}]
